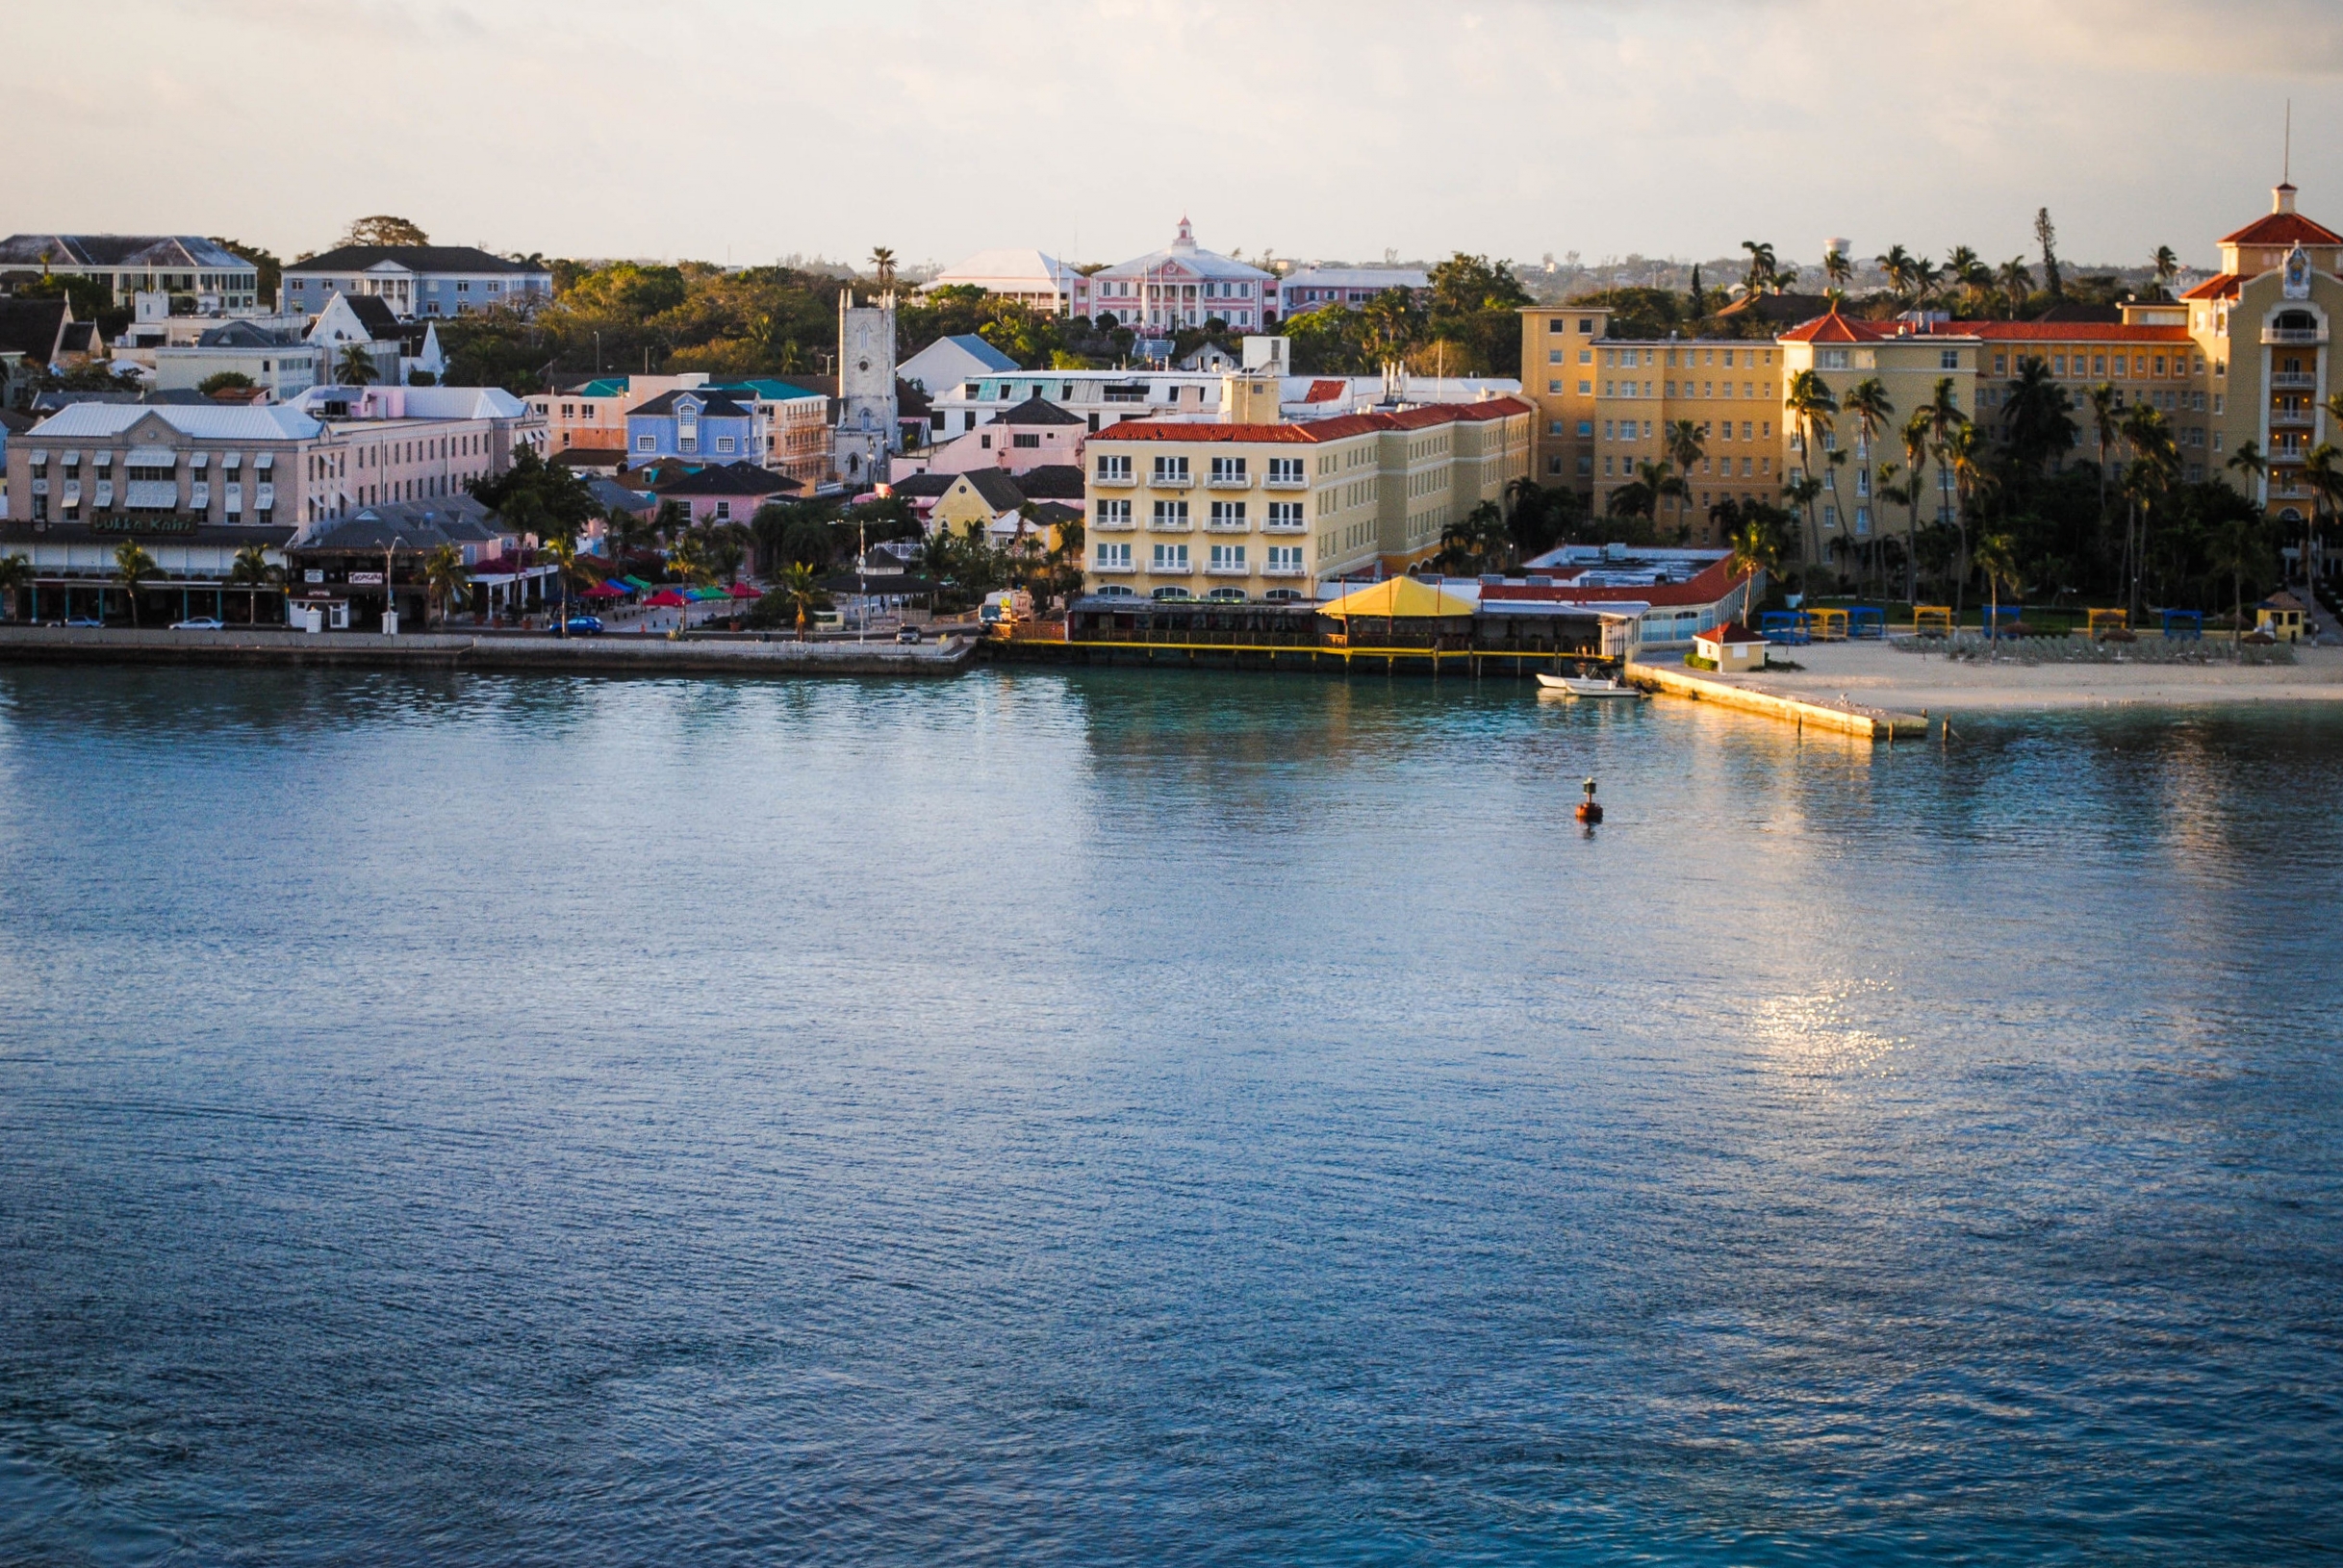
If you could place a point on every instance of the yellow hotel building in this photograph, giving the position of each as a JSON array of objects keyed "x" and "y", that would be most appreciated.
[
  {"x": 1267, "y": 510},
  {"x": 2242, "y": 357}
]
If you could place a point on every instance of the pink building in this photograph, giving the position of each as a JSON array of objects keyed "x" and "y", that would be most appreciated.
[{"x": 1035, "y": 433}]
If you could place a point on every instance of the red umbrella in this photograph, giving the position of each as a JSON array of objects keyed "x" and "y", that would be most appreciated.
[
  {"x": 601, "y": 591},
  {"x": 742, "y": 591},
  {"x": 667, "y": 598}
]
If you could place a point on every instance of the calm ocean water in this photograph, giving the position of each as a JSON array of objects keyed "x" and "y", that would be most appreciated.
[{"x": 1112, "y": 1119}]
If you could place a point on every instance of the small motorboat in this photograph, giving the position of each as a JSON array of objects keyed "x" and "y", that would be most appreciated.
[{"x": 1587, "y": 685}]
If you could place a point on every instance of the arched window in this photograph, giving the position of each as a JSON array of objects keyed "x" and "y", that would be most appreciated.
[{"x": 2296, "y": 322}]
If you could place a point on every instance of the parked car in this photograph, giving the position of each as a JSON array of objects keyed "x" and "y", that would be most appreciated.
[
  {"x": 200, "y": 623},
  {"x": 583, "y": 625},
  {"x": 83, "y": 621},
  {"x": 909, "y": 634}
]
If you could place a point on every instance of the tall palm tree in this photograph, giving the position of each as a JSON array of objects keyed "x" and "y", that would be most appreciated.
[
  {"x": 1756, "y": 546},
  {"x": 560, "y": 550},
  {"x": 356, "y": 367},
  {"x": 1966, "y": 452},
  {"x": 445, "y": 576},
  {"x": 1838, "y": 268},
  {"x": 1868, "y": 403},
  {"x": 882, "y": 263},
  {"x": 16, "y": 576},
  {"x": 1807, "y": 400},
  {"x": 2241, "y": 549},
  {"x": 1763, "y": 273},
  {"x": 2156, "y": 464},
  {"x": 2106, "y": 418},
  {"x": 2323, "y": 472},
  {"x": 133, "y": 566},
  {"x": 1997, "y": 556},
  {"x": 800, "y": 592},
  {"x": 1919, "y": 435},
  {"x": 2017, "y": 283},
  {"x": 253, "y": 572},
  {"x": 1681, "y": 444}
]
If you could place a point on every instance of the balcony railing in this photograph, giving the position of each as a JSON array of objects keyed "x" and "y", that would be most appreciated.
[
  {"x": 2293, "y": 378},
  {"x": 1228, "y": 526},
  {"x": 1114, "y": 525},
  {"x": 1116, "y": 480},
  {"x": 1229, "y": 481},
  {"x": 1113, "y": 567},
  {"x": 2294, "y": 335},
  {"x": 1226, "y": 569},
  {"x": 1280, "y": 482},
  {"x": 2290, "y": 417},
  {"x": 1275, "y": 527},
  {"x": 1280, "y": 571},
  {"x": 1165, "y": 479},
  {"x": 1171, "y": 569},
  {"x": 1169, "y": 526}
]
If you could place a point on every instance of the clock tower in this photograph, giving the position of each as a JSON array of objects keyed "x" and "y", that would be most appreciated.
[{"x": 867, "y": 431}]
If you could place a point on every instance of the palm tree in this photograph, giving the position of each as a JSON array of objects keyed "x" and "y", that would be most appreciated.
[
  {"x": 1756, "y": 547},
  {"x": 1962, "y": 267},
  {"x": 132, "y": 566},
  {"x": 356, "y": 367},
  {"x": 2241, "y": 548},
  {"x": 1902, "y": 270},
  {"x": 445, "y": 576},
  {"x": 1996, "y": 556},
  {"x": 1869, "y": 403},
  {"x": 882, "y": 263},
  {"x": 1763, "y": 273},
  {"x": 800, "y": 592},
  {"x": 1838, "y": 268},
  {"x": 1918, "y": 436},
  {"x": 2168, "y": 267},
  {"x": 2105, "y": 414},
  {"x": 561, "y": 551},
  {"x": 2017, "y": 282},
  {"x": 1681, "y": 444},
  {"x": 2156, "y": 463},
  {"x": 1965, "y": 452},
  {"x": 16, "y": 576},
  {"x": 253, "y": 572},
  {"x": 2323, "y": 472},
  {"x": 2036, "y": 418},
  {"x": 687, "y": 558},
  {"x": 1806, "y": 398}
]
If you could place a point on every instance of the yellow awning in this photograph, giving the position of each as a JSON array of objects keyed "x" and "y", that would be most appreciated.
[{"x": 1401, "y": 597}]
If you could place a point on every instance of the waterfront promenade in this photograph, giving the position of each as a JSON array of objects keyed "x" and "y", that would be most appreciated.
[{"x": 468, "y": 650}]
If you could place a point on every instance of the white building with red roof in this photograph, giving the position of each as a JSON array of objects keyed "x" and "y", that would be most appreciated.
[{"x": 1181, "y": 286}]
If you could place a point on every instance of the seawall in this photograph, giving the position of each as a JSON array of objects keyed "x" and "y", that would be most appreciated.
[{"x": 450, "y": 650}]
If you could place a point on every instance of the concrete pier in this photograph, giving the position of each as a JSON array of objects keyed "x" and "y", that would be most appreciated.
[
  {"x": 1869, "y": 723},
  {"x": 489, "y": 651}
]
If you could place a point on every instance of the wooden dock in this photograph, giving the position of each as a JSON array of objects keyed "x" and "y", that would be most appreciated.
[{"x": 1866, "y": 723}]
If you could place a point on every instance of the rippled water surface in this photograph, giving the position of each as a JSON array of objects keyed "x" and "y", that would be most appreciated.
[{"x": 1127, "y": 1119}]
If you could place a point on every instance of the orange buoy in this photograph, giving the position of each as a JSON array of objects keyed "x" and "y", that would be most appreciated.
[{"x": 1587, "y": 811}]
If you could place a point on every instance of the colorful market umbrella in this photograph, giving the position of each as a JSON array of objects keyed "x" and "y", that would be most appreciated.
[
  {"x": 742, "y": 591},
  {"x": 667, "y": 598},
  {"x": 601, "y": 591}
]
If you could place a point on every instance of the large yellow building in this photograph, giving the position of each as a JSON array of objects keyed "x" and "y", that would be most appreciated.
[
  {"x": 1271, "y": 511},
  {"x": 2241, "y": 358}
]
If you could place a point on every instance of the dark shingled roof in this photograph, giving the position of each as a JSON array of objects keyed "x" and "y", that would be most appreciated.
[
  {"x": 729, "y": 479},
  {"x": 374, "y": 315},
  {"x": 997, "y": 488},
  {"x": 168, "y": 252},
  {"x": 32, "y": 327},
  {"x": 415, "y": 258},
  {"x": 924, "y": 484},
  {"x": 1037, "y": 410},
  {"x": 712, "y": 405},
  {"x": 1052, "y": 482}
]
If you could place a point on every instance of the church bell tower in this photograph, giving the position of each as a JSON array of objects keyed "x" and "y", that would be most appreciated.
[{"x": 868, "y": 431}]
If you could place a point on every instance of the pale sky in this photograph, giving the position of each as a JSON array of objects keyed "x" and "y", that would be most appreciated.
[{"x": 742, "y": 130}]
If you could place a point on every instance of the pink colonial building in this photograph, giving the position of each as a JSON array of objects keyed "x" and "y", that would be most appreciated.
[{"x": 1185, "y": 286}]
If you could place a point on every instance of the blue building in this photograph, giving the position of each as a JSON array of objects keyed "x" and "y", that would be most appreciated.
[{"x": 696, "y": 424}]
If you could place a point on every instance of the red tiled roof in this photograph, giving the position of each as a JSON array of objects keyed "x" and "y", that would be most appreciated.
[
  {"x": 1317, "y": 430},
  {"x": 1327, "y": 392},
  {"x": 2221, "y": 285},
  {"x": 1835, "y": 328},
  {"x": 2042, "y": 332},
  {"x": 1711, "y": 583},
  {"x": 2283, "y": 229}
]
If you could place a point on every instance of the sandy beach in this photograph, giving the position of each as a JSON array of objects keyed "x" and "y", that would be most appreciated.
[{"x": 1871, "y": 674}]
